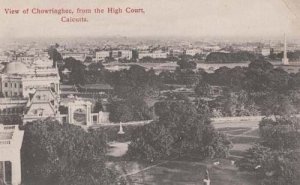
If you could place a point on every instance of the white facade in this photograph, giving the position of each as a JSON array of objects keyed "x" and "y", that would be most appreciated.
[
  {"x": 127, "y": 54},
  {"x": 265, "y": 52},
  {"x": 43, "y": 104},
  {"x": 17, "y": 80},
  {"x": 153, "y": 55},
  {"x": 101, "y": 55},
  {"x": 10, "y": 145},
  {"x": 77, "y": 56},
  {"x": 192, "y": 52}
]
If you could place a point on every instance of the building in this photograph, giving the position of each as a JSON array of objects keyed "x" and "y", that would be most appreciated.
[
  {"x": 79, "y": 112},
  {"x": 43, "y": 104},
  {"x": 126, "y": 54},
  {"x": 265, "y": 52},
  {"x": 11, "y": 139},
  {"x": 17, "y": 80},
  {"x": 153, "y": 55},
  {"x": 101, "y": 55},
  {"x": 75, "y": 55},
  {"x": 193, "y": 52}
]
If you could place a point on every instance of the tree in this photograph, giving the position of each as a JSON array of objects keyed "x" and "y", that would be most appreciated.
[
  {"x": 77, "y": 75},
  {"x": 240, "y": 56},
  {"x": 179, "y": 131},
  {"x": 130, "y": 110},
  {"x": 202, "y": 89},
  {"x": 54, "y": 54},
  {"x": 280, "y": 134},
  {"x": 275, "y": 158},
  {"x": 271, "y": 166},
  {"x": 63, "y": 154},
  {"x": 183, "y": 64}
]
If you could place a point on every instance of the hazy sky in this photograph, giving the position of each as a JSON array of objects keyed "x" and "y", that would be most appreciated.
[{"x": 195, "y": 18}]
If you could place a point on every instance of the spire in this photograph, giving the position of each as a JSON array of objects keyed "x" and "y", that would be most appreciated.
[{"x": 285, "y": 60}]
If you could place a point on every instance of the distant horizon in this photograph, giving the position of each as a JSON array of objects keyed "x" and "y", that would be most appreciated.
[{"x": 164, "y": 38}]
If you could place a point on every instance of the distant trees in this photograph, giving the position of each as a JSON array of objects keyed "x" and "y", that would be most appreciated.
[
  {"x": 180, "y": 131},
  {"x": 54, "y": 54},
  {"x": 240, "y": 56},
  {"x": 77, "y": 75},
  {"x": 56, "y": 154},
  {"x": 184, "y": 64}
]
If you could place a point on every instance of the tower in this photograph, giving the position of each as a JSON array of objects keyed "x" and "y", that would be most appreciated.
[{"x": 285, "y": 60}]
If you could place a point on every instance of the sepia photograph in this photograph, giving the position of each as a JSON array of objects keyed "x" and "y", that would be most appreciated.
[{"x": 140, "y": 92}]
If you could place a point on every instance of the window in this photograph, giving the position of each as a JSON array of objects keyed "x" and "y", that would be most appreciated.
[
  {"x": 15, "y": 85},
  {"x": 95, "y": 118},
  {"x": 5, "y": 84},
  {"x": 16, "y": 94},
  {"x": 6, "y": 94},
  {"x": 21, "y": 85}
]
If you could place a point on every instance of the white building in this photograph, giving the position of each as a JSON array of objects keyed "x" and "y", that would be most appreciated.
[
  {"x": 77, "y": 56},
  {"x": 11, "y": 139},
  {"x": 101, "y": 55},
  {"x": 17, "y": 80},
  {"x": 127, "y": 54},
  {"x": 25, "y": 58},
  {"x": 193, "y": 52},
  {"x": 153, "y": 55},
  {"x": 265, "y": 52},
  {"x": 43, "y": 104}
]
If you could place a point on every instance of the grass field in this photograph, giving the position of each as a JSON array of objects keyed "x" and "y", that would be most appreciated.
[{"x": 184, "y": 173}]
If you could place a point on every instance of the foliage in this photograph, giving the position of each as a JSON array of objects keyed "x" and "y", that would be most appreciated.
[
  {"x": 56, "y": 154},
  {"x": 77, "y": 75},
  {"x": 236, "y": 104},
  {"x": 180, "y": 130},
  {"x": 54, "y": 54},
  {"x": 135, "y": 82},
  {"x": 280, "y": 134},
  {"x": 275, "y": 158},
  {"x": 130, "y": 110},
  {"x": 202, "y": 89},
  {"x": 272, "y": 166},
  {"x": 240, "y": 56},
  {"x": 184, "y": 64}
]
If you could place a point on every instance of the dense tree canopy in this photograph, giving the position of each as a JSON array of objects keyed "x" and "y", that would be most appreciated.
[
  {"x": 280, "y": 134},
  {"x": 130, "y": 110},
  {"x": 77, "y": 75},
  {"x": 241, "y": 56},
  {"x": 180, "y": 131},
  {"x": 56, "y": 154}
]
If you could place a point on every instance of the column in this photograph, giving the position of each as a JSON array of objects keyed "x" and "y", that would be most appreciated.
[
  {"x": 16, "y": 170},
  {"x": 70, "y": 114},
  {"x": 88, "y": 115}
]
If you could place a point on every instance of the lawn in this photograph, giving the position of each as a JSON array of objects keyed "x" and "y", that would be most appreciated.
[{"x": 184, "y": 173}]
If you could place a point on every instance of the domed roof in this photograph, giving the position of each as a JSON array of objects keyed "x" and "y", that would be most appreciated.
[{"x": 15, "y": 68}]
